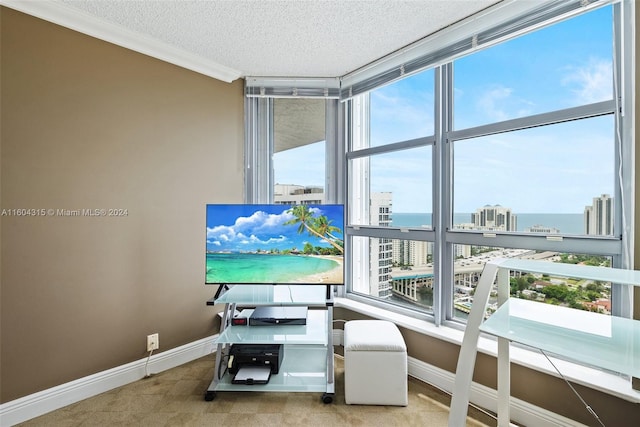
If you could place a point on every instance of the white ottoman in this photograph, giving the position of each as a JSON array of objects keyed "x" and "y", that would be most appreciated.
[{"x": 375, "y": 363}]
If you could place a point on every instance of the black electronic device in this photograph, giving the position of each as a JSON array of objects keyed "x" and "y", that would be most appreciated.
[
  {"x": 269, "y": 316},
  {"x": 241, "y": 355}
]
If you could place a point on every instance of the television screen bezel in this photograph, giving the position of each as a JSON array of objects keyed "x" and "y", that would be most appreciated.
[{"x": 254, "y": 207}]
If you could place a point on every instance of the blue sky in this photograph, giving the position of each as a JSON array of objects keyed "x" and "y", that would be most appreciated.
[
  {"x": 251, "y": 227},
  {"x": 553, "y": 169}
]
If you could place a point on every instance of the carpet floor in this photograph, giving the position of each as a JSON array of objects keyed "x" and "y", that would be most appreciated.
[{"x": 176, "y": 398}]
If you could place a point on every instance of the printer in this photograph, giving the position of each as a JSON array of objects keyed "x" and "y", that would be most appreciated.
[{"x": 255, "y": 355}]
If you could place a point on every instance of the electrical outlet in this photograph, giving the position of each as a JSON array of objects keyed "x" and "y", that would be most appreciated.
[{"x": 153, "y": 342}]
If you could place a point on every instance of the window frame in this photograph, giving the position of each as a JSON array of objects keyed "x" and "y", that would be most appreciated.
[{"x": 442, "y": 234}]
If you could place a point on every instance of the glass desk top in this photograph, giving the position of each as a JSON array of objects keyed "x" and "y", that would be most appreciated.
[
  {"x": 595, "y": 339},
  {"x": 602, "y": 274}
]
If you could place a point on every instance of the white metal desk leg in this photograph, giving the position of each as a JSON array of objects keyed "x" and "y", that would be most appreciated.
[
  {"x": 504, "y": 364},
  {"x": 504, "y": 383},
  {"x": 469, "y": 347}
]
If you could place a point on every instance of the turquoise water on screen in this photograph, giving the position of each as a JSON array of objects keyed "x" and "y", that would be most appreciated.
[{"x": 264, "y": 268}]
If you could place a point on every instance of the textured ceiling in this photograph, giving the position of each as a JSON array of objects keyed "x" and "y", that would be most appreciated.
[
  {"x": 229, "y": 39},
  {"x": 313, "y": 38}
]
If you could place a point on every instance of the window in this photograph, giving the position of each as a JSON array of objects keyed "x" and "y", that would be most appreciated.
[
  {"x": 540, "y": 179},
  {"x": 292, "y": 141},
  {"x": 399, "y": 183},
  {"x": 510, "y": 150},
  {"x": 391, "y": 191},
  {"x": 299, "y": 150}
]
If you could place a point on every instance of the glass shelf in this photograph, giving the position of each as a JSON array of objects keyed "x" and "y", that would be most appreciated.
[
  {"x": 303, "y": 369},
  {"x": 314, "y": 332},
  {"x": 276, "y": 295},
  {"x": 595, "y": 339}
]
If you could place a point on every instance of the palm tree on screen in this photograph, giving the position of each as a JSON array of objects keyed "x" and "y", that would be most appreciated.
[
  {"x": 304, "y": 217},
  {"x": 323, "y": 226}
]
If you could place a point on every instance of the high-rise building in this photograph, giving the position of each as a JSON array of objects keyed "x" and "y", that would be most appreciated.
[
  {"x": 411, "y": 252},
  {"x": 494, "y": 218},
  {"x": 380, "y": 250},
  {"x": 462, "y": 251},
  {"x": 297, "y": 194},
  {"x": 598, "y": 218}
]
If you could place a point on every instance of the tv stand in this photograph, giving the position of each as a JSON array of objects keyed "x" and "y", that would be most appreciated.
[{"x": 307, "y": 364}]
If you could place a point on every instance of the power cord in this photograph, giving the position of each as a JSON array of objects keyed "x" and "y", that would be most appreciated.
[
  {"x": 586, "y": 405},
  {"x": 146, "y": 366},
  {"x": 224, "y": 363}
]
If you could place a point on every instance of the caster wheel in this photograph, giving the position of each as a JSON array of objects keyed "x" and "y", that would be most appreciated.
[
  {"x": 209, "y": 396},
  {"x": 327, "y": 398}
]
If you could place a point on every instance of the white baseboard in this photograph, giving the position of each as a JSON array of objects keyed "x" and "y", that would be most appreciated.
[
  {"x": 40, "y": 403},
  {"x": 34, "y": 405},
  {"x": 521, "y": 412}
]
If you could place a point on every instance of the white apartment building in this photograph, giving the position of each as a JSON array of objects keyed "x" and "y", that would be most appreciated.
[
  {"x": 297, "y": 194},
  {"x": 494, "y": 218},
  {"x": 411, "y": 252},
  {"x": 462, "y": 251},
  {"x": 598, "y": 218},
  {"x": 380, "y": 250}
]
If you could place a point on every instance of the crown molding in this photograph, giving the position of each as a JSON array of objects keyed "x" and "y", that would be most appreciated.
[{"x": 66, "y": 16}]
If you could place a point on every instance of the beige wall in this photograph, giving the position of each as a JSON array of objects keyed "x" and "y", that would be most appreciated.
[{"x": 89, "y": 125}]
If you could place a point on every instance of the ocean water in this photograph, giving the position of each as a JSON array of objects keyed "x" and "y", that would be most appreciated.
[
  {"x": 263, "y": 268},
  {"x": 566, "y": 223}
]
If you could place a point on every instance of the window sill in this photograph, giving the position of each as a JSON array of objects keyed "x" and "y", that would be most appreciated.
[{"x": 596, "y": 379}]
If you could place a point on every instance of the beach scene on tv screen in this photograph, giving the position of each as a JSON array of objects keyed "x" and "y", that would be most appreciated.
[{"x": 279, "y": 244}]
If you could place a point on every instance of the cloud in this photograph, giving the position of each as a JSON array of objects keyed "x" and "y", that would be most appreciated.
[
  {"x": 249, "y": 229},
  {"x": 499, "y": 103},
  {"x": 220, "y": 232},
  {"x": 591, "y": 82},
  {"x": 253, "y": 239}
]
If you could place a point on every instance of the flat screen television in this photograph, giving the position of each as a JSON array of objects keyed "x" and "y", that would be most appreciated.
[{"x": 274, "y": 244}]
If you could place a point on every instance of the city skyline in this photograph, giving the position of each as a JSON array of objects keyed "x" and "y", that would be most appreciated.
[{"x": 596, "y": 219}]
